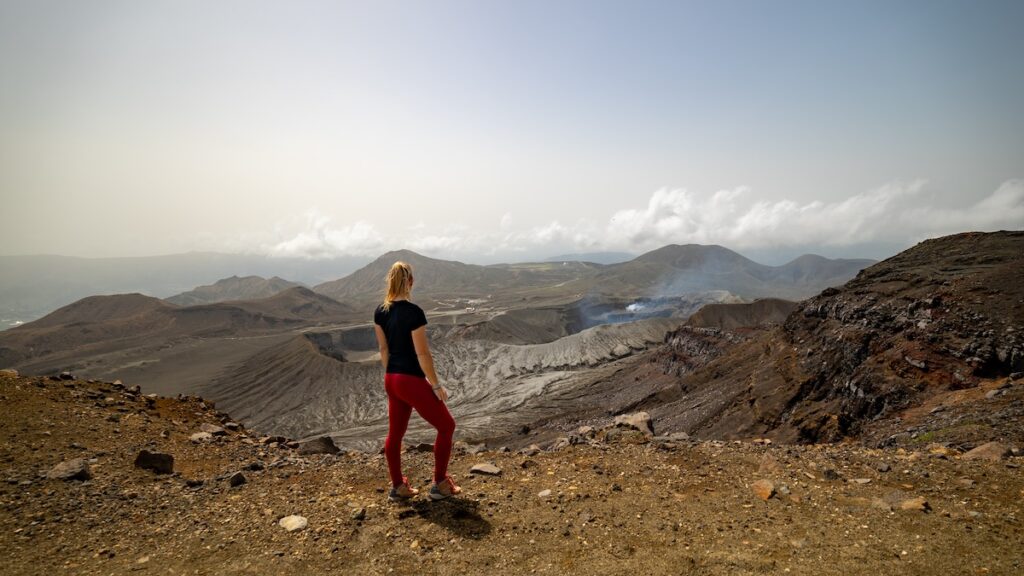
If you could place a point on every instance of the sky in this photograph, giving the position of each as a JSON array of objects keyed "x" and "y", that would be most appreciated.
[{"x": 488, "y": 131}]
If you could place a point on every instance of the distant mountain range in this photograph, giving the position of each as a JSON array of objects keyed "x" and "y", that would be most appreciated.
[
  {"x": 32, "y": 286},
  {"x": 595, "y": 257},
  {"x": 669, "y": 271}
]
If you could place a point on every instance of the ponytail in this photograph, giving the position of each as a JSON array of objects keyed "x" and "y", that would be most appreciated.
[{"x": 399, "y": 283}]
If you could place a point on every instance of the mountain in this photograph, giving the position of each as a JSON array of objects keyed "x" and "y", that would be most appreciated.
[
  {"x": 233, "y": 288},
  {"x": 100, "y": 333},
  {"x": 33, "y": 286},
  {"x": 674, "y": 269},
  {"x": 433, "y": 278},
  {"x": 668, "y": 271},
  {"x": 917, "y": 346},
  {"x": 757, "y": 314}
]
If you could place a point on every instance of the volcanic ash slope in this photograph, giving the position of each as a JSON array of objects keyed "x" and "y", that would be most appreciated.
[{"x": 297, "y": 390}]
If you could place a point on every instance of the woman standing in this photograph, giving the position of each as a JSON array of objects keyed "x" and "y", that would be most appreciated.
[{"x": 411, "y": 383}]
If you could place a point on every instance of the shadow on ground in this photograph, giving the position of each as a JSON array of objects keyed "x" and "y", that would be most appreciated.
[{"x": 458, "y": 516}]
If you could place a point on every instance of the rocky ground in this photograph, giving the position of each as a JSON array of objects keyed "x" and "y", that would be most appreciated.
[{"x": 617, "y": 501}]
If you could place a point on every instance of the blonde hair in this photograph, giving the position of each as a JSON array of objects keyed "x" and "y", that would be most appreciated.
[{"x": 399, "y": 283}]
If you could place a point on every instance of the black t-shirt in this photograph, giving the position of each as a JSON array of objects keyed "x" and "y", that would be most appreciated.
[{"x": 398, "y": 322}]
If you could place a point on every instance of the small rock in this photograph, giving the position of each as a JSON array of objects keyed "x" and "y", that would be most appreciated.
[
  {"x": 212, "y": 429},
  {"x": 485, "y": 469},
  {"x": 764, "y": 489},
  {"x": 193, "y": 482},
  {"x": 883, "y": 467},
  {"x": 474, "y": 449},
  {"x": 544, "y": 494},
  {"x": 586, "y": 431},
  {"x": 236, "y": 479},
  {"x": 74, "y": 469},
  {"x": 66, "y": 376},
  {"x": 531, "y": 450},
  {"x": 233, "y": 426},
  {"x": 860, "y": 480},
  {"x": 830, "y": 474},
  {"x": 993, "y": 394},
  {"x": 255, "y": 466},
  {"x": 919, "y": 364},
  {"x": 319, "y": 445},
  {"x": 359, "y": 514},
  {"x": 916, "y": 504},
  {"x": 994, "y": 451},
  {"x": 155, "y": 461},
  {"x": 560, "y": 443},
  {"x": 201, "y": 437},
  {"x": 293, "y": 523},
  {"x": 9, "y": 372},
  {"x": 616, "y": 487}
]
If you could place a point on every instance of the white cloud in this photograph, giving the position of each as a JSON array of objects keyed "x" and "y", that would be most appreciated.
[
  {"x": 319, "y": 240},
  {"x": 896, "y": 213}
]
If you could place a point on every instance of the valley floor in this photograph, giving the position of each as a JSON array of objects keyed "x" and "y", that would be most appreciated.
[{"x": 646, "y": 508}]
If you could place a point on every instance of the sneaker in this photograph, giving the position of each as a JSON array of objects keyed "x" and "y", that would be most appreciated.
[
  {"x": 444, "y": 489},
  {"x": 402, "y": 491}
]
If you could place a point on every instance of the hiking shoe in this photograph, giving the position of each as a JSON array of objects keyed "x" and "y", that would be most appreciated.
[
  {"x": 402, "y": 491},
  {"x": 444, "y": 489}
]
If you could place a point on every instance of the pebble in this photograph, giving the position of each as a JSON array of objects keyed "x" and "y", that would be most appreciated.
[
  {"x": 237, "y": 479},
  {"x": 485, "y": 469},
  {"x": 74, "y": 469},
  {"x": 293, "y": 523},
  {"x": 764, "y": 489},
  {"x": 212, "y": 429},
  {"x": 916, "y": 504},
  {"x": 201, "y": 437},
  {"x": 544, "y": 494}
]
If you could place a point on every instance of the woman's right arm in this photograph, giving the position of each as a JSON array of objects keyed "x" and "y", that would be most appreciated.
[
  {"x": 426, "y": 359},
  {"x": 382, "y": 343}
]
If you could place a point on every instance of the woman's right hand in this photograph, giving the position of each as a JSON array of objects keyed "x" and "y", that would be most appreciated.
[{"x": 441, "y": 393}]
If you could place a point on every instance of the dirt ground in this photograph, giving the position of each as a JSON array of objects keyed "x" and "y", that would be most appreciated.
[{"x": 653, "y": 507}]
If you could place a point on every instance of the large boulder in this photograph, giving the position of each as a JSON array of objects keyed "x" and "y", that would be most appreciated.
[
  {"x": 638, "y": 420},
  {"x": 990, "y": 451}
]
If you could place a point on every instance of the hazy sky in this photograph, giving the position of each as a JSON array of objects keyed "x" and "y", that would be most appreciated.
[{"x": 488, "y": 131}]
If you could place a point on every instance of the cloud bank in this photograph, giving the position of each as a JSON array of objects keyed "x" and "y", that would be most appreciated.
[{"x": 897, "y": 213}]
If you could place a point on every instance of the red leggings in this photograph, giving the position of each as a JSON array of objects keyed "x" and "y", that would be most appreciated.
[{"x": 406, "y": 392}]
